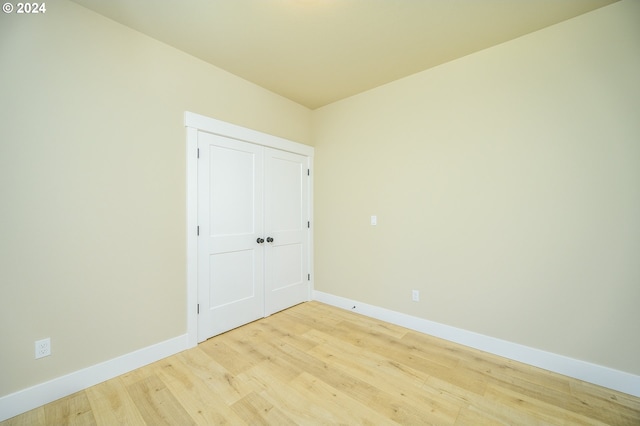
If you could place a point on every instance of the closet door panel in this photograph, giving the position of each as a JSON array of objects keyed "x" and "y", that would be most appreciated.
[
  {"x": 286, "y": 222},
  {"x": 230, "y": 219}
]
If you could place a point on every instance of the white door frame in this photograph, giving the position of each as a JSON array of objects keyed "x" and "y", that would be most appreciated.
[{"x": 195, "y": 123}]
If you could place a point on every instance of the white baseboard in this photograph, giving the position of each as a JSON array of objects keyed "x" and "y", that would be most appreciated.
[
  {"x": 592, "y": 373},
  {"x": 43, "y": 393}
]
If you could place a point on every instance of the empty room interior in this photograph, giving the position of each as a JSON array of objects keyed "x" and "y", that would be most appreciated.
[{"x": 471, "y": 174}]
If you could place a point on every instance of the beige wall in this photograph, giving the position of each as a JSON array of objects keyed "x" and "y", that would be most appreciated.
[
  {"x": 92, "y": 185},
  {"x": 507, "y": 190}
]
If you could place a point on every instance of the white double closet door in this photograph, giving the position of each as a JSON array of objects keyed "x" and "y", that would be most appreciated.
[{"x": 253, "y": 243}]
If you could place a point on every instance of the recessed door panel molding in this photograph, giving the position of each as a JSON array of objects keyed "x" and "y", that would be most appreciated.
[
  {"x": 231, "y": 278},
  {"x": 249, "y": 205},
  {"x": 232, "y": 183},
  {"x": 286, "y": 186},
  {"x": 288, "y": 264}
]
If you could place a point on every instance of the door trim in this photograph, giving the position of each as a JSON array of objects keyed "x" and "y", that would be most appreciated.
[{"x": 195, "y": 123}]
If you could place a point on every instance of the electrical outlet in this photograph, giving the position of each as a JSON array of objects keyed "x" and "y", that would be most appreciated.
[
  {"x": 415, "y": 295},
  {"x": 43, "y": 348}
]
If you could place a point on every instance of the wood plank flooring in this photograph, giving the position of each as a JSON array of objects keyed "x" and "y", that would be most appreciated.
[{"x": 316, "y": 364}]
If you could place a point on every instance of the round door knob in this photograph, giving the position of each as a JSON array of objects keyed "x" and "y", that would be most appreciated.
[
  {"x": 260, "y": 240},
  {"x": 269, "y": 239}
]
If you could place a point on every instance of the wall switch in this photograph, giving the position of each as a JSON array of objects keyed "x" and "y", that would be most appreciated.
[
  {"x": 374, "y": 220},
  {"x": 415, "y": 295},
  {"x": 43, "y": 348}
]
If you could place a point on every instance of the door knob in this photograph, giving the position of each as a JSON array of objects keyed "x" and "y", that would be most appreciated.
[
  {"x": 260, "y": 240},
  {"x": 269, "y": 239}
]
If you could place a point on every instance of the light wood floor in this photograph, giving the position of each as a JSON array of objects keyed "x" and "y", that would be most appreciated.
[{"x": 315, "y": 364}]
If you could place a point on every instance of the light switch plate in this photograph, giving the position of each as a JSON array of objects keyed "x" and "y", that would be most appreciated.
[{"x": 374, "y": 220}]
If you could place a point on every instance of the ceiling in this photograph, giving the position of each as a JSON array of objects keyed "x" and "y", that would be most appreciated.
[{"x": 315, "y": 52}]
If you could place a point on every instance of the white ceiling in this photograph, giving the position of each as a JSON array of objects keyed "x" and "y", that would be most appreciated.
[{"x": 315, "y": 52}]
